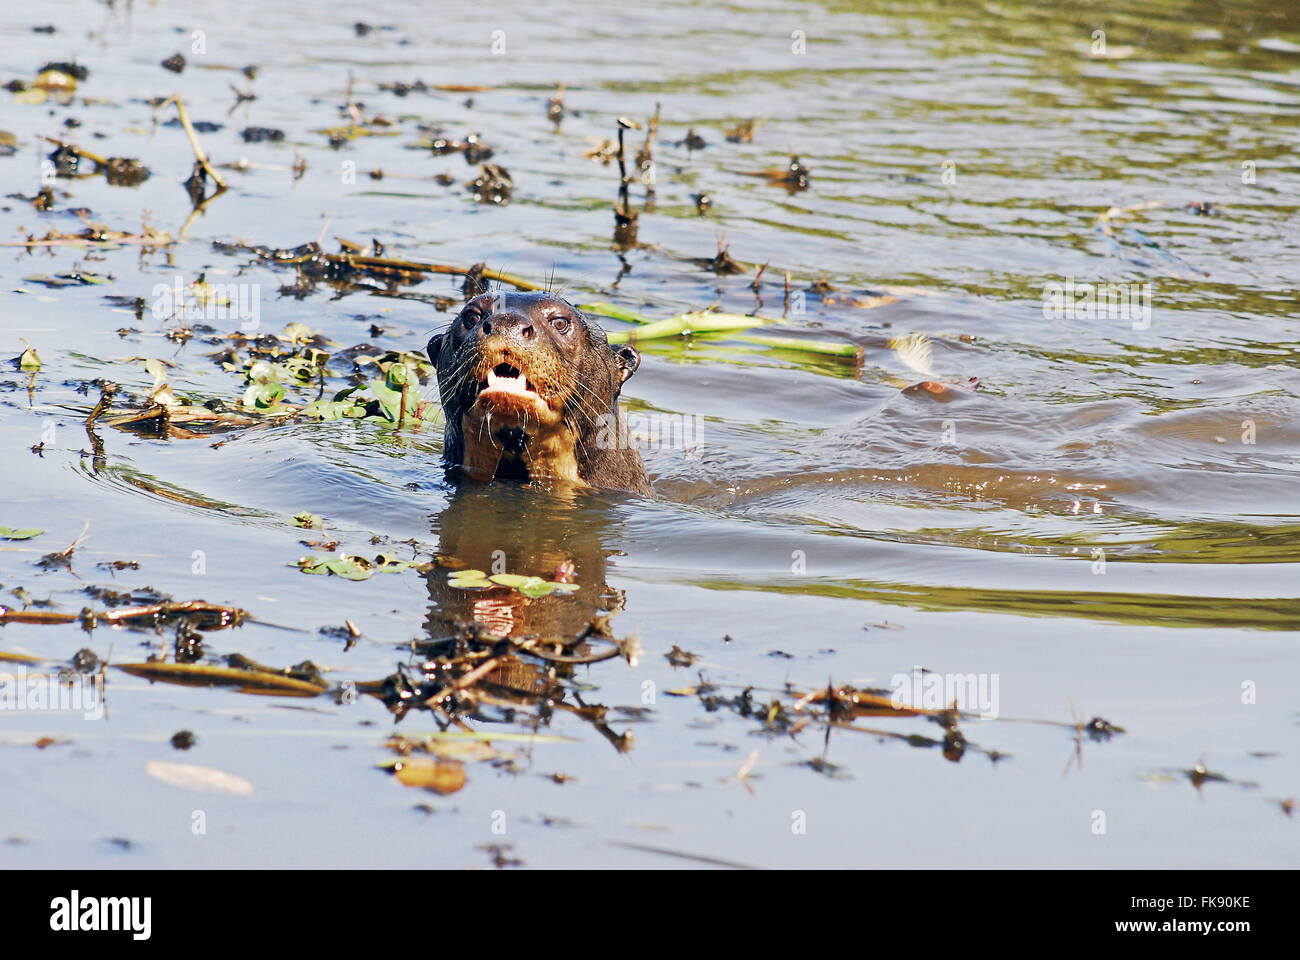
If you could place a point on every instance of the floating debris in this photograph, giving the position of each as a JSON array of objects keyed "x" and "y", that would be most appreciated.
[
  {"x": 555, "y": 106},
  {"x": 261, "y": 135},
  {"x": 438, "y": 776},
  {"x": 246, "y": 677},
  {"x": 124, "y": 172},
  {"x": 744, "y": 131},
  {"x": 203, "y": 779},
  {"x": 721, "y": 262},
  {"x": 25, "y": 533},
  {"x": 679, "y": 657},
  {"x": 493, "y": 185},
  {"x": 793, "y": 176},
  {"x": 692, "y": 141}
]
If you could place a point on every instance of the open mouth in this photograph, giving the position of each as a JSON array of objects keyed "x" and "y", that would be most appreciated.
[{"x": 504, "y": 378}]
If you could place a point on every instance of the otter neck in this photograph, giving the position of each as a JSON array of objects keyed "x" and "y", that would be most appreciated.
[{"x": 509, "y": 453}]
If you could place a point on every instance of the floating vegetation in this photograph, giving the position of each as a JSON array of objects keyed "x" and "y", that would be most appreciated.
[
  {"x": 189, "y": 776},
  {"x": 493, "y": 185},
  {"x": 272, "y": 366},
  {"x": 261, "y": 135},
  {"x": 351, "y": 266},
  {"x": 793, "y": 176},
  {"x": 118, "y": 171},
  {"x": 95, "y": 234},
  {"x": 240, "y": 674},
  {"x": 28, "y": 361},
  {"x": 439, "y": 776},
  {"x": 207, "y": 616},
  {"x": 472, "y": 148},
  {"x": 531, "y": 587},
  {"x": 555, "y": 106},
  {"x": 744, "y": 131},
  {"x": 26, "y": 533},
  {"x": 692, "y": 141},
  {"x": 351, "y": 567},
  {"x": 55, "y": 81},
  {"x": 706, "y": 322}
]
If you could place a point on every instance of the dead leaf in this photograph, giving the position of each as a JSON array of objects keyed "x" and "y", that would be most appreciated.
[
  {"x": 440, "y": 776},
  {"x": 187, "y": 776}
]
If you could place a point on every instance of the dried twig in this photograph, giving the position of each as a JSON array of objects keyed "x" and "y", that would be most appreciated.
[{"x": 194, "y": 140}]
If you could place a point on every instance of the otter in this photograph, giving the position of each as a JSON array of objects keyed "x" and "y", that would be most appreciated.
[{"x": 530, "y": 388}]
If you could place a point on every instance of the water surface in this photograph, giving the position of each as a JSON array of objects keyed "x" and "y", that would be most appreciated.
[{"x": 1108, "y": 524}]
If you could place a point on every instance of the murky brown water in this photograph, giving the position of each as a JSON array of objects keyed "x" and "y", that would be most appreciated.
[{"x": 1108, "y": 524}]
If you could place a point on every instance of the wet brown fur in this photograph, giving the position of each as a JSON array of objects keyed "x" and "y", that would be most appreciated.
[{"x": 572, "y": 430}]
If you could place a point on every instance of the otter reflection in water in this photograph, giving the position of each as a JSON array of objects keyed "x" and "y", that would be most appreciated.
[
  {"x": 526, "y": 647},
  {"x": 506, "y": 528}
]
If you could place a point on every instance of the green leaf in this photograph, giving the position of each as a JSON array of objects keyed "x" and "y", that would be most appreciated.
[
  {"x": 334, "y": 410},
  {"x": 300, "y": 368},
  {"x": 606, "y": 309},
  {"x": 390, "y": 401},
  {"x": 305, "y": 519},
  {"x": 263, "y": 396},
  {"x": 468, "y": 580},
  {"x": 387, "y": 564},
  {"x": 535, "y": 587},
  {"x": 396, "y": 377},
  {"x": 469, "y": 583},
  {"x": 6, "y": 533},
  {"x": 509, "y": 579},
  {"x": 298, "y": 333},
  {"x": 262, "y": 371},
  {"x": 351, "y": 568}
]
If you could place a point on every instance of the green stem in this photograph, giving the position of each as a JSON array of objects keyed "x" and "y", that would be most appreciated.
[
  {"x": 687, "y": 324},
  {"x": 606, "y": 309}
]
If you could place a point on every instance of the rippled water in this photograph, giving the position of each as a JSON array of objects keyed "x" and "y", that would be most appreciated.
[{"x": 1108, "y": 524}]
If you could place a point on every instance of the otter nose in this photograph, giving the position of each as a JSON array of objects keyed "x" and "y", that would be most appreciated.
[{"x": 509, "y": 325}]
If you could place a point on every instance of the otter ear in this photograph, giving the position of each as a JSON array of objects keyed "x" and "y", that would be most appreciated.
[
  {"x": 628, "y": 360},
  {"x": 434, "y": 348}
]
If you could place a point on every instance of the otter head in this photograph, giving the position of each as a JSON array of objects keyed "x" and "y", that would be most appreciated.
[{"x": 527, "y": 383}]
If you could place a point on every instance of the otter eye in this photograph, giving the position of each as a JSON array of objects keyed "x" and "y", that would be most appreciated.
[{"x": 560, "y": 323}]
